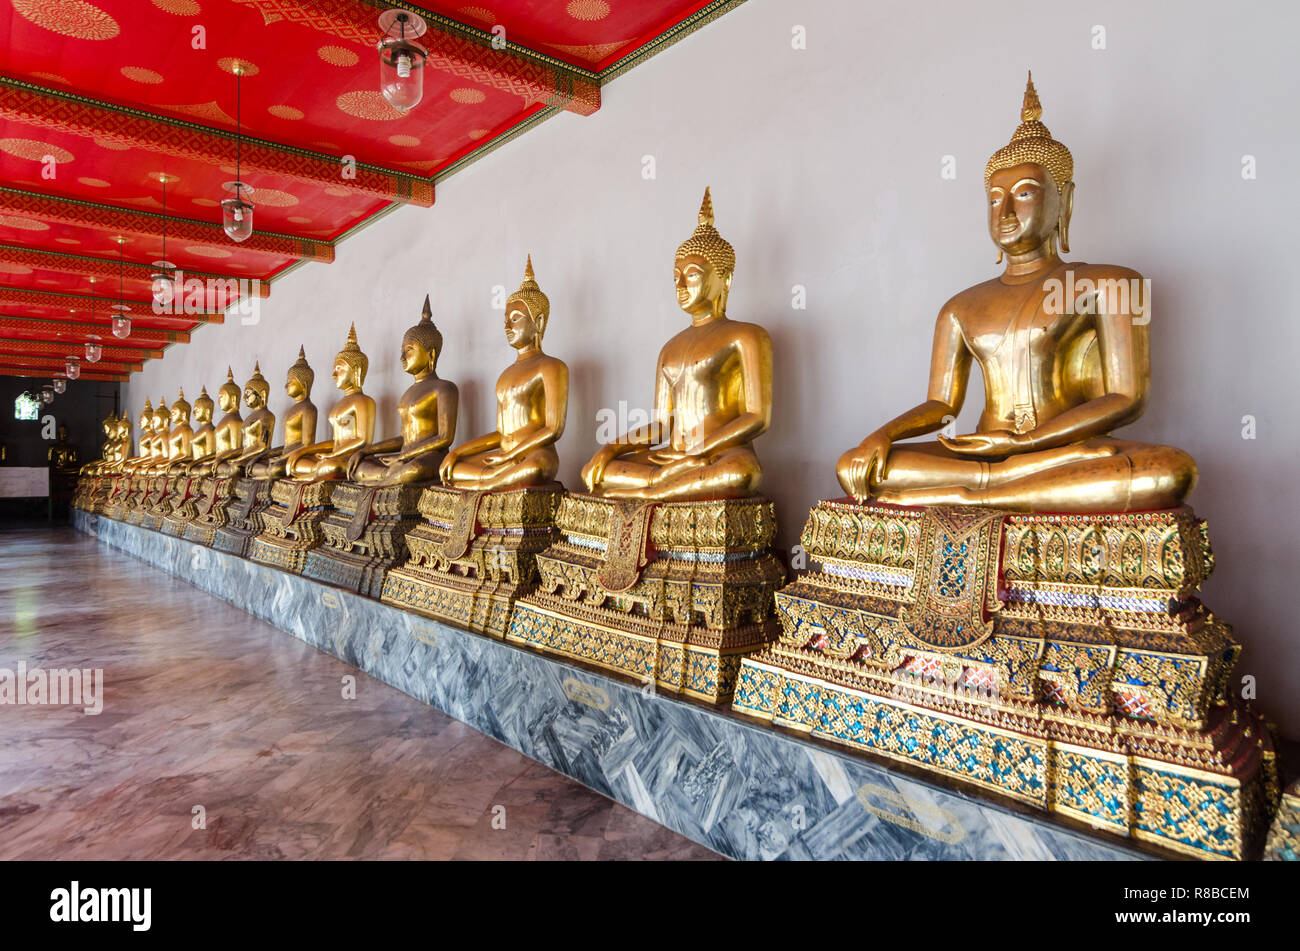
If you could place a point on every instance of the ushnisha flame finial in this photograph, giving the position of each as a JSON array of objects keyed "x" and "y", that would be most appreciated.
[
  {"x": 1033, "y": 142},
  {"x": 707, "y": 243}
]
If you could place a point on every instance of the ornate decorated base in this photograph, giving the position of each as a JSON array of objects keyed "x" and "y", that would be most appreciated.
[
  {"x": 1284, "y": 837},
  {"x": 126, "y": 507},
  {"x": 674, "y": 592},
  {"x": 180, "y": 507},
  {"x": 291, "y": 524},
  {"x": 207, "y": 510},
  {"x": 160, "y": 500},
  {"x": 119, "y": 497},
  {"x": 1060, "y": 659},
  {"x": 242, "y": 515},
  {"x": 92, "y": 492},
  {"x": 365, "y": 535},
  {"x": 475, "y": 555}
]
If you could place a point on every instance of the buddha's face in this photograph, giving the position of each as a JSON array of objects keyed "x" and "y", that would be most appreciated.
[
  {"x": 177, "y": 415},
  {"x": 345, "y": 377},
  {"x": 228, "y": 399},
  {"x": 1024, "y": 207},
  {"x": 62, "y": 432},
  {"x": 159, "y": 419},
  {"x": 252, "y": 397},
  {"x": 521, "y": 328},
  {"x": 415, "y": 358},
  {"x": 698, "y": 283},
  {"x": 202, "y": 413},
  {"x": 146, "y": 420},
  {"x": 294, "y": 389}
]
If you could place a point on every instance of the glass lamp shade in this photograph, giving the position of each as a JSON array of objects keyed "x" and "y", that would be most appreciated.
[
  {"x": 121, "y": 321},
  {"x": 60, "y": 384},
  {"x": 93, "y": 352},
  {"x": 401, "y": 59},
  {"x": 237, "y": 212},
  {"x": 401, "y": 73},
  {"x": 72, "y": 367},
  {"x": 163, "y": 282},
  {"x": 47, "y": 394}
]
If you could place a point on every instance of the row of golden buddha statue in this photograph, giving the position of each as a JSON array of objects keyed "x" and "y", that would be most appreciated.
[{"x": 1015, "y": 608}]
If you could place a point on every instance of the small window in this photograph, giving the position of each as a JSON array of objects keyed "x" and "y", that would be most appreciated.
[{"x": 27, "y": 406}]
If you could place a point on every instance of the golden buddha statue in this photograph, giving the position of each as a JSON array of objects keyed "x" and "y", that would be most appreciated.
[
  {"x": 352, "y": 421},
  {"x": 258, "y": 428},
  {"x": 1058, "y": 378},
  {"x": 228, "y": 434},
  {"x": 428, "y": 413},
  {"x": 180, "y": 440},
  {"x": 107, "y": 449},
  {"x": 118, "y": 450},
  {"x": 532, "y": 402},
  {"x": 62, "y": 455},
  {"x": 299, "y": 421},
  {"x": 204, "y": 441},
  {"x": 713, "y": 393},
  {"x": 146, "y": 439},
  {"x": 160, "y": 449}
]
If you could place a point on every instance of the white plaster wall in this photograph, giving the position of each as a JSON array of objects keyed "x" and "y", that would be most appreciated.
[{"x": 825, "y": 168}]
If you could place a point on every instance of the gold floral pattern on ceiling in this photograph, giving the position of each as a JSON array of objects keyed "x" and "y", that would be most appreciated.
[
  {"x": 75, "y": 18},
  {"x": 367, "y": 104}
]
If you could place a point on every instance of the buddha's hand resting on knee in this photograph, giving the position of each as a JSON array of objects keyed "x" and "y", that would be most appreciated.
[{"x": 860, "y": 467}]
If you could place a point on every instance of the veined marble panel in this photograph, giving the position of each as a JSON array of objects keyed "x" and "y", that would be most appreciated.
[{"x": 738, "y": 787}]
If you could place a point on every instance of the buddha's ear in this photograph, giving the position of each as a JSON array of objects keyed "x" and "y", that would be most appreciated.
[{"x": 1067, "y": 210}]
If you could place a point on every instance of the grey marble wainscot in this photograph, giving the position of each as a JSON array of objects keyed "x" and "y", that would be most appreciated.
[{"x": 737, "y": 787}]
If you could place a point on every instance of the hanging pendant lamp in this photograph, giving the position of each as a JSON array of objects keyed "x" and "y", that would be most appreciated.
[{"x": 237, "y": 211}]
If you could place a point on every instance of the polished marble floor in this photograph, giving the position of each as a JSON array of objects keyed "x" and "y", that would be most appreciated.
[{"x": 205, "y": 706}]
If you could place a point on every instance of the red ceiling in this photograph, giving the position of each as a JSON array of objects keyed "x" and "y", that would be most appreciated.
[{"x": 117, "y": 92}]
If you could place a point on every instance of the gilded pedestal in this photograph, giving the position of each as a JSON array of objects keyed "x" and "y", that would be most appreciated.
[
  {"x": 475, "y": 554},
  {"x": 213, "y": 495},
  {"x": 158, "y": 500},
  {"x": 182, "y": 505},
  {"x": 242, "y": 515},
  {"x": 1063, "y": 660},
  {"x": 291, "y": 524},
  {"x": 125, "y": 498},
  {"x": 677, "y": 592},
  {"x": 365, "y": 535},
  {"x": 1284, "y": 836}
]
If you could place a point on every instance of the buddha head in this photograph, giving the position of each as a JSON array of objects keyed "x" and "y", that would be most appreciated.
[
  {"x": 351, "y": 364},
  {"x": 1029, "y": 183},
  {"x": 62, "y": 433},
  {"x": 180, "y": 410},
  {"x": 256, "y": 390},
  {"x": 527, "y": 312},
  {"x": 228, "y": 395},
  {"x": 146, "y": 417},
  {"x": 161, "y": 418},
  {"x": 300, "y": 379},
  {"x": 110, "y": 425},
  {"x": 203, "y": 408},
  {"x": 422, "y": 344},
  {"x": 703, "y": 267}
]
